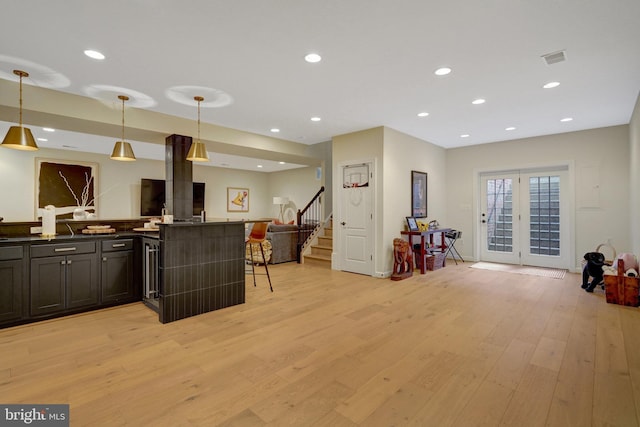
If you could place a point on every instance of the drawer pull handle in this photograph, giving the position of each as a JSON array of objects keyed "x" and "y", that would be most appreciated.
[
  {"x": 64, "y": 249},
  {"x": 118, "y": 245}
]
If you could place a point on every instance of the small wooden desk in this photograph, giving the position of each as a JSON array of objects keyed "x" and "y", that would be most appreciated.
[{"x": 426, "y": 251}]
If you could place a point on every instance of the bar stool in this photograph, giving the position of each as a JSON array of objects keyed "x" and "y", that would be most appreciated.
[
  {"x": 452, "y": 236},
  {"x": 258, "y": 235}
]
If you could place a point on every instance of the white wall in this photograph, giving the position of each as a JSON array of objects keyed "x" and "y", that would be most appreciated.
[
  {"x": 634, "y": 188},
  {"x": 602, "y": 153}
]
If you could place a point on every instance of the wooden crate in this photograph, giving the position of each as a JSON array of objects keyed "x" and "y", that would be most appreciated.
[
  {"x": 435, "y": 260},
  {"x": 620, "y": 289}
]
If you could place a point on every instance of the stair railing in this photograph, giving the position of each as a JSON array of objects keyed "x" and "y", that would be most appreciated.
[{"x": 309, "y": 221}]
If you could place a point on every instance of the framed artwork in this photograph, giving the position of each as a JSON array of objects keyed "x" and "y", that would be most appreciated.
[
  {"x": 237, "y": 199},
  {"x": 418, "y": 194},
  {"x": 412, "y": 224},
  {"x": 67, "y": 185}
]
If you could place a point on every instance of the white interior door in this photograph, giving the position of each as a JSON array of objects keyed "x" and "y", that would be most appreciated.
[
  {"x": 356, "y": 222},
  {"x": 524, "y": 218}
]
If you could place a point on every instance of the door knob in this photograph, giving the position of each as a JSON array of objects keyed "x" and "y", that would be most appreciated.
[{"x": 343, "y": 223}]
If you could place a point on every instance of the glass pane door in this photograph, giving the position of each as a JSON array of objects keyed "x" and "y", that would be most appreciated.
[
  {"x": 545, "y": 211},
  {"x": 524, "y": 219},
  {"x": 499, "y": 235}
]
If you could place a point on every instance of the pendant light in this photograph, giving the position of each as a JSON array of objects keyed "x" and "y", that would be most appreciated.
[
  {"x": 122, "y": 150},
  {"x": 198, "y": 151},
  {"x": 19, "y": 137}
]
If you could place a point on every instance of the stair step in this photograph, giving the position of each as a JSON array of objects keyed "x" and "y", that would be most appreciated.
[
  {"x": 317, "y": 260},
  {"x": 325, "y": 241},
  {"x": 321, "y": 250}
]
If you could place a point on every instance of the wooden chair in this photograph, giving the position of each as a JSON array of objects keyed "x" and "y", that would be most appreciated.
[{"x": 258, "y": 235}]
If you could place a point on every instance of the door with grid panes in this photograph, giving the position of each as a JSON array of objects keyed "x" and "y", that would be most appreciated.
[{"x": 524, "y": 218}]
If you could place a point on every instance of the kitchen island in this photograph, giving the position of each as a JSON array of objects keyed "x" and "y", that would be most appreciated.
[{"x": 200, "y": 268}]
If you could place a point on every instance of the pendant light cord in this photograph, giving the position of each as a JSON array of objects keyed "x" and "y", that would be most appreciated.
[
  {"x": 199, "y": 120},
  {"x": 20, "y": 100},
  {"x": 122, "y": 120}
]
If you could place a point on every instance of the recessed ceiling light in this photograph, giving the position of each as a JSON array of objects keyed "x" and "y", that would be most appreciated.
[
  {"x": 510, "y": 128},
  {"x": 259, "y": 166},
  {"x": 48, "y": 129},
  {"x": 423, "y": 114},
  {"x": 551, "y": 85},
  {"x": 275, "y": 130},
  {"x": 94, "y": 54},
  {"x": 313, "y": 58},
  {"x": 566, "y": 119},
  {"x": 43, "y": 139},
  {"x": 281, "y": 163},
  {"x": 478, "y": 101},
  {"x": 315, "y": 119},
  {"x": 442, "y": 71},
  {"x": 465, "y": 135}
]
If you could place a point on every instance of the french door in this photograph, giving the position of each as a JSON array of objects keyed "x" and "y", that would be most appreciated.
[{"x": 524, "y": 218}]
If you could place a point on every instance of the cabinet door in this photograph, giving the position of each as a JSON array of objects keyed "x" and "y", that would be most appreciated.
[
  {"x": 82, "y": 280},
  {"x": 117, "y": 276},
  {"x": 47, "y": 285},
  {"x": 10, "y": 290}
]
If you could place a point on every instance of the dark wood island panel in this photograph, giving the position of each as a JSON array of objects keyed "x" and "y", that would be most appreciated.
[{"x": 201, "y": 268}]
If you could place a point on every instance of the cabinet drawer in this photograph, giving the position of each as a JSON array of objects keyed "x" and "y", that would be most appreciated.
[
  {"x": 10, "y": 252},
  {"x": 117, "y": 245},
  {"x": 70, "y": 248}
]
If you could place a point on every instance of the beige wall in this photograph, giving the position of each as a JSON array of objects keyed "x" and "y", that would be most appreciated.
[
  {"x": 599, "y": 162},
  {"x": 395, "y": 155},
  {"x": 363, "y": 146},
  {"x": 299, "y": 185},
  {"x": 634, "y": 188},
  {"x": 402, "y": 154},
  {"x": 119, "y": 184}
]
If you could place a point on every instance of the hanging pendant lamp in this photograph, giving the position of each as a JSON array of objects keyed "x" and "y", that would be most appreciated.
[
  {"x": 20, "y": 137},
  {"x": 122, "y": 150},
  {"x": 198, "y": 151}
]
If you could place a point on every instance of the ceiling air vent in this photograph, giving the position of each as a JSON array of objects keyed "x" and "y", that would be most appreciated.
[{"x": 554, "y": 58}]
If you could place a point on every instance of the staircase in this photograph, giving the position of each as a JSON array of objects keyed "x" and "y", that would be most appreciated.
[{"x": 322, "y": 247}]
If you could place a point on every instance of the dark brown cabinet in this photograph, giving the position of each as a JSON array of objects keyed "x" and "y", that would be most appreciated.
[
  {"x": 63, "y": 277},
  {"x": 44, "y": 279},
  {"x": 117, "y": 267},
  {"x": 11, "y": 282}
]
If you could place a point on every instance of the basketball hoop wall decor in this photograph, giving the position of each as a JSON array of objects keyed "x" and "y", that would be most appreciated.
[{"x": 355, "y": 176}]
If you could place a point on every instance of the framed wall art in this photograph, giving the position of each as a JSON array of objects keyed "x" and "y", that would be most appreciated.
[
  {"x": 418, "y": 194},
  {"x": 68, "y": 185},
  {"x": 237, "y": 199}
]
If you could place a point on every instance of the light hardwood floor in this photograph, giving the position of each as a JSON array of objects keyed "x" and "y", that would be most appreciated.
[{"x": 455, "y": 347}]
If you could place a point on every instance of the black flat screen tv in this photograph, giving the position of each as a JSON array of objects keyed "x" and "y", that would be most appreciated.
[{"x": 152, "y": 197}]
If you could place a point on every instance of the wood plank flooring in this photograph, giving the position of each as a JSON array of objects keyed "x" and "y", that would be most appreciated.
[{"x": 454, "y": 347}]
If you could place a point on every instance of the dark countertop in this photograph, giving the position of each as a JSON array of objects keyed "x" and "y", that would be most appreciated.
[
  {"x": 69, "y": 237},
  {"x": 18, "y": 232}
]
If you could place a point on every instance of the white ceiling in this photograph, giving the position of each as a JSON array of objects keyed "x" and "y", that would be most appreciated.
[{"x": 377, "y": 69}]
